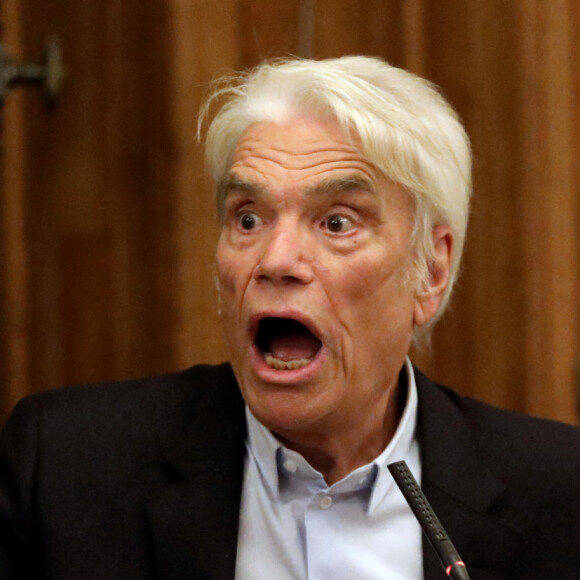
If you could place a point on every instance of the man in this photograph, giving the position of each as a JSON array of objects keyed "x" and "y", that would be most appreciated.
[{"x": 343, "y": 187}]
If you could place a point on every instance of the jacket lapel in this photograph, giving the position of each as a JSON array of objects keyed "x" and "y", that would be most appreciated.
[
  {"x": 194, "y": 520},
  {"x": 465, "y": 493}
]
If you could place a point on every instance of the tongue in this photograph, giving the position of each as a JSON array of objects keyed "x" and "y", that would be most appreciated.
[{"x": 294, "y": 347}]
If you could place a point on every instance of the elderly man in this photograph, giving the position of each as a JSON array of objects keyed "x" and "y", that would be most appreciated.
[{"x": 343, "y": 187}]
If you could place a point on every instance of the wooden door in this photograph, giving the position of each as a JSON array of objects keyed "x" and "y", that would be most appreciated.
[
  {"x": 93, "y": 230},
  {"x": 108, "y": 227}
]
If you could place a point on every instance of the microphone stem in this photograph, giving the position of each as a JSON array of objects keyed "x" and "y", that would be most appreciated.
[{"x": 438, "y": 538}]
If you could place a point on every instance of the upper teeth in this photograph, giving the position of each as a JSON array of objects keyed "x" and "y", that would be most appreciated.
[{"x": 283, "y": 365}]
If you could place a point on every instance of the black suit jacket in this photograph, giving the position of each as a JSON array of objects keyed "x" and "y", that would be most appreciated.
[{"x": 142, "y": 479}]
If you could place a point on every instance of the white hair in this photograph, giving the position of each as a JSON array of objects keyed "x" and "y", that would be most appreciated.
[{"x": 406, "y": 129}]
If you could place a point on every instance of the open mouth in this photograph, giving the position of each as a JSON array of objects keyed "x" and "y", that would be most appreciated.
[{"x": 286, "y": 344}]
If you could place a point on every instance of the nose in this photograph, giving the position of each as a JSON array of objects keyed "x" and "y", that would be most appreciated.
[{"x": 286, "y": 258}]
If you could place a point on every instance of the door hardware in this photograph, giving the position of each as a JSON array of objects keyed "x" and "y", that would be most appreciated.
[{"x": 49, "y": 73}]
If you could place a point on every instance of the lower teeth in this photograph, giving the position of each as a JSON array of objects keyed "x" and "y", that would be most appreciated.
[{"x": 282, "y": 365}]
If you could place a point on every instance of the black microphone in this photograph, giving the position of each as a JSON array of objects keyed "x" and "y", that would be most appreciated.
[{"x": 431, "y": 525}]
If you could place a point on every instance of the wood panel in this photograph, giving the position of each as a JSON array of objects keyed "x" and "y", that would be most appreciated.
[
  {"x": 92, "y": 189},
  {"x": 352, "y": 27},
  {"x": 14, "y": 354},
  {"x": 485, "y": 317},
  {"x": 108, "y": 216},
  {"x": 203, "y": 46},
  {"x": 575, "y": 125},
  {"x": 507, "y": 68},
  {"x": 548, "y": 211},
  {"x": 267, "y": 30}
]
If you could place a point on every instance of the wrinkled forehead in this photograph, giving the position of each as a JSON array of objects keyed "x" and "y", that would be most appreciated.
[
  {"x": 308, "y": 152},
  {"x": 325, "y": 187}
]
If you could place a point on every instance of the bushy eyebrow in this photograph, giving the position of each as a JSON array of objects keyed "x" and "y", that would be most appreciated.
[
  {"x": 342, "y": 184},
  {"x": 234, "y": 183},
  {"x": 324, "y": 187}
]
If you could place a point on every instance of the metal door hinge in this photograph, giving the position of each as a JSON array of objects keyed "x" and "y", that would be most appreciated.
[{"x": 49, "y": 73}]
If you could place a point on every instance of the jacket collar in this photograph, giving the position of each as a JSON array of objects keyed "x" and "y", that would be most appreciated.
[
  {"x": 194, "y": 520},
  {"x": 462, "y": 488}
]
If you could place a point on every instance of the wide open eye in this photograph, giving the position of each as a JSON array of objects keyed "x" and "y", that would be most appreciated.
[
  {"x": 249, "y": 220},
  {"x": 338, "y": 224}
]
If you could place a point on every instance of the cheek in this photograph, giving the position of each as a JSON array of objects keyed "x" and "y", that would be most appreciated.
[
  {"x": 368, "y": 291},
  {"x": 234, "y": 272},
  {"x": 228, "y": 267},
  {"x": 362, "y": 279},
  {"x": 226, "y": 284}
]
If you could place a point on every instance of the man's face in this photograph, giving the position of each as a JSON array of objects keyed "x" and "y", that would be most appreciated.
[{"x": 312, "y": 263}]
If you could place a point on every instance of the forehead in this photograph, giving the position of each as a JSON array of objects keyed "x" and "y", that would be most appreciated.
[{"x": 299, "y": 150}]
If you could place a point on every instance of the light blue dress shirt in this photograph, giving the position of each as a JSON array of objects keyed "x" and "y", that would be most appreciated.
[{"x": 294, "y": 526}]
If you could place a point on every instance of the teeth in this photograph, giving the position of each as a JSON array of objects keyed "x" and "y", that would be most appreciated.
[{"x": 283, "y": 365}]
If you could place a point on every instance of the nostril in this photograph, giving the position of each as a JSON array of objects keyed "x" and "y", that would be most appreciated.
[
  {"x": 283, "y": 261},
  {"x": 296, "y": 274},
  {"x": 268, "y": 274}
]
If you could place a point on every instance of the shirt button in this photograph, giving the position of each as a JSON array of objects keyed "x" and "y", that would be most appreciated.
[
  {"x": 325, "y": 502},
  {"x": 290, "y": 466}
]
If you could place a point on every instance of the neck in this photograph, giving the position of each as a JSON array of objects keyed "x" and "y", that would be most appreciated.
[{"x": 336, "y": 453}]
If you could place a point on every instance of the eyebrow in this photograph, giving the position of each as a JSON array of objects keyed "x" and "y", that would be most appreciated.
[
  {"x": 342, "y": 184},
  {"x": 234, "y": 183},
  {"x": 326, "y": 186}
]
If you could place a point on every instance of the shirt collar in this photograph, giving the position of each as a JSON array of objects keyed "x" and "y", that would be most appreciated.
[{"x": 275, "y": 461}]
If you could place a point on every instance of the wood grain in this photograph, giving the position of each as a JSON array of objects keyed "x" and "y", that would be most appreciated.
[
  {"x": 108, "y": 220},
  {"x": 14, "y": 270}
]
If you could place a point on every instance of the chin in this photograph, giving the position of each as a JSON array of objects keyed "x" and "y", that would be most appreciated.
[{"x": 281, "y": 408}]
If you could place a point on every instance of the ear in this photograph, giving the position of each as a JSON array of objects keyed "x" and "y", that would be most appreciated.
[{"x": 429, "y": 297}]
